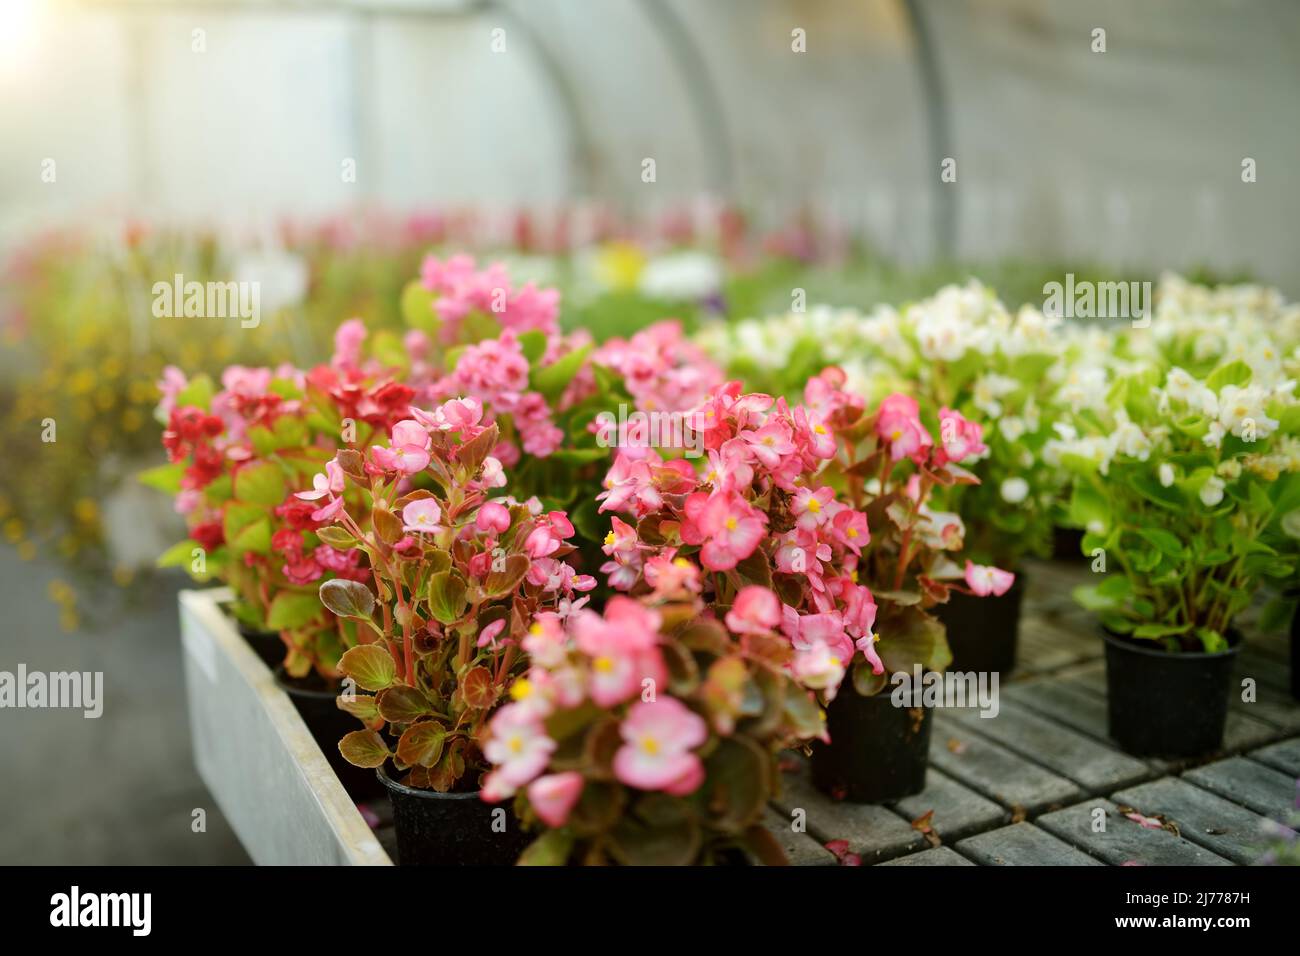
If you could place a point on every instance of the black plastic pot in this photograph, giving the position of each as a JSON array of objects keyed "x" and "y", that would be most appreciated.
[
  {"x": 1163, "y": 704},
  {"x": 315, "y": 703},
  {"x": 1067, "y": 544},
  {"x": 267, "y": 645},
  {"x": 451, "y": 829},
  {"x": 878, "y": 752},
  {"x": 983, "y": 631}
]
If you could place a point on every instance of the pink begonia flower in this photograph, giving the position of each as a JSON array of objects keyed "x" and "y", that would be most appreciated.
[
  {"x": 554, "y": 796},
  {"x": 330, "y": 483},
  {"x": 629, "y": 481},
  {"x": 770, "y": 443},
  {"x": 943, "y": 530},
  {"x": 819, "y": 667},
  {"x": 406, "y": 459},
  {"x": 813, "y": 430},
  {"x": 623, "y": 647},
  {"x": 423, "y": 514},
  {"x": 518, "y": 747},
  {"x": 756, "y": 611},
  {"x": 898, "y": 422},
  {"x": 494, "y": 476},
  {"x": 729, "y": 468},
  {"x": 961, "y": 438},
  {"x": 454, "y": 415},
  {"x": 409, "y": 433},
  {"x": 809, "y": 507},
  {"x": 622, "y": 545},
  {"x": 850, "y": 529},
  {"x": 493, "y": 516},
  {"x": 657, "y": 753},
  {"x": 347, "y": 344},
  {"x": 545, "y": 539},
  {"x": 728, "y": 526},
  {"x": 489, "y": 634},
  {"x": 170, "y": 385},
  {"x": 187, "y": 499},
  {"x": 671, "y": 576},
  {"x": 546, "y": 640},
  {"x": 986, "y": 579}
]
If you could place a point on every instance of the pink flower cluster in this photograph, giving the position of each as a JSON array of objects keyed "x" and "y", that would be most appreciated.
[
  {"x": 608, "y": 660},
  {"x": 763, "y": 461},
  {"x": 661, "y": 368},
  {"x": 463, "y": 288}
]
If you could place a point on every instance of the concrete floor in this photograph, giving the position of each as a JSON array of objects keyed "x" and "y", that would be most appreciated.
[{"x": 120, "y": 789}]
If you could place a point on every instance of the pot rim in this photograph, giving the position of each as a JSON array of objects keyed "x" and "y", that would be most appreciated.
[
  {"x": 395, "y": 787},
  {"x": 1123, "y": 642},
  {"x": 282, "y": 681}
]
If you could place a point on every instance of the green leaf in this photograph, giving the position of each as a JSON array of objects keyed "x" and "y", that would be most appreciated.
[
  {"x": 553, "y": 379},
  {"x": 370, "y": 665},
  {"x": 401, "y": 704},
  {"x": 1233, "y": 373},
  {"x": 166, "y": 478},
  {"x": 503, "y": 582},
  {"x": 552, "y": 848},
  {"x": 533, "y": 344},
  {"x": 447, "y": 601},
  {"x": 237, "y": 516},
  {"x": 256, "y": 538},
  {"x": 1165, "y": 542},
  {"x": 417, "y": 307},
  {"x": 350, "y": 599},
  {"x": 198, "y": 392},
  {"x": 291, "y": 610},
  {"x": 178, "y": 555},
  {"x": 336, "y": 537},
  {"x": 421, "y": 744},
  {"x": 1154, "y": 631},
  {"x": 361, "y": 706},
  {"x": 364, "y": 748},
  {"x": 910, "y": 636}
]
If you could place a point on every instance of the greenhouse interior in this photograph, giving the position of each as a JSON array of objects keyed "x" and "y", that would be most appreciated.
[{"x": 650, "y": 433}]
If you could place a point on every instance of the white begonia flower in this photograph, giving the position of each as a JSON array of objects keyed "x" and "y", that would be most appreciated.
[
  {"x": 1180, "y": 385},
  {"x": 1291, "y": 524},
  {"x": 1166, "y": 474},
  {"x": 1212, "y": 491},
  {"x": 1014, "y": 490},
  {"x": 1229, "y": 469},
  {"x": 1011, "y": 427},
  {"x": 682, "y": 277},
  {"x": 1129, "y": 440},
  {"x": 1237, "y": 406},
  {"x": 987, "y": 391},
  {"x": 1214, "y": 437}
]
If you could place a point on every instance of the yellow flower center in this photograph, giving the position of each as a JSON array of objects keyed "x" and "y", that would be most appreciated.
[
  {"x": 681, "y": 563},
  {"x": 535, "y": 630},
  {"x": 516, "y": 745},
  {"x": 852, "y": 532},
  {"x": 521, "y": 689},
  {"x": 814, "y": 505},
  {"x": 819, "y": 429},
  {"x": 650, "y": 745},
  {"x": 731, "y": 524},
  {"x": 609, "y": 539},
  {"x": 603, "y": 664}
]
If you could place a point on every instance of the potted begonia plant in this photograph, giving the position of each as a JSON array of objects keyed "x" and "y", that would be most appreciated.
[
  {"x": 649, "y": 734},
  {"x": 961, "y": 351},
  {"x": 786, "y": 502},
  {"x": 458, "y": 576},
  {"x": 1184, "y": 484}
]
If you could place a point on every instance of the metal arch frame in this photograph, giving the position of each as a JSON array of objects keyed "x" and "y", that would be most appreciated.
[
  {"x": 701, "y": 92},
  {"x": 938, "y": 125},
  {"x": 580, "y": 148}
]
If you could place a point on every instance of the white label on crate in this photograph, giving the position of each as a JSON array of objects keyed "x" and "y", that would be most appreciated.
[{"x": 201, "y": 650}]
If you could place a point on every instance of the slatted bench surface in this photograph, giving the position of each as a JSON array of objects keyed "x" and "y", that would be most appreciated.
[{"x": 1042, "y": 784}]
